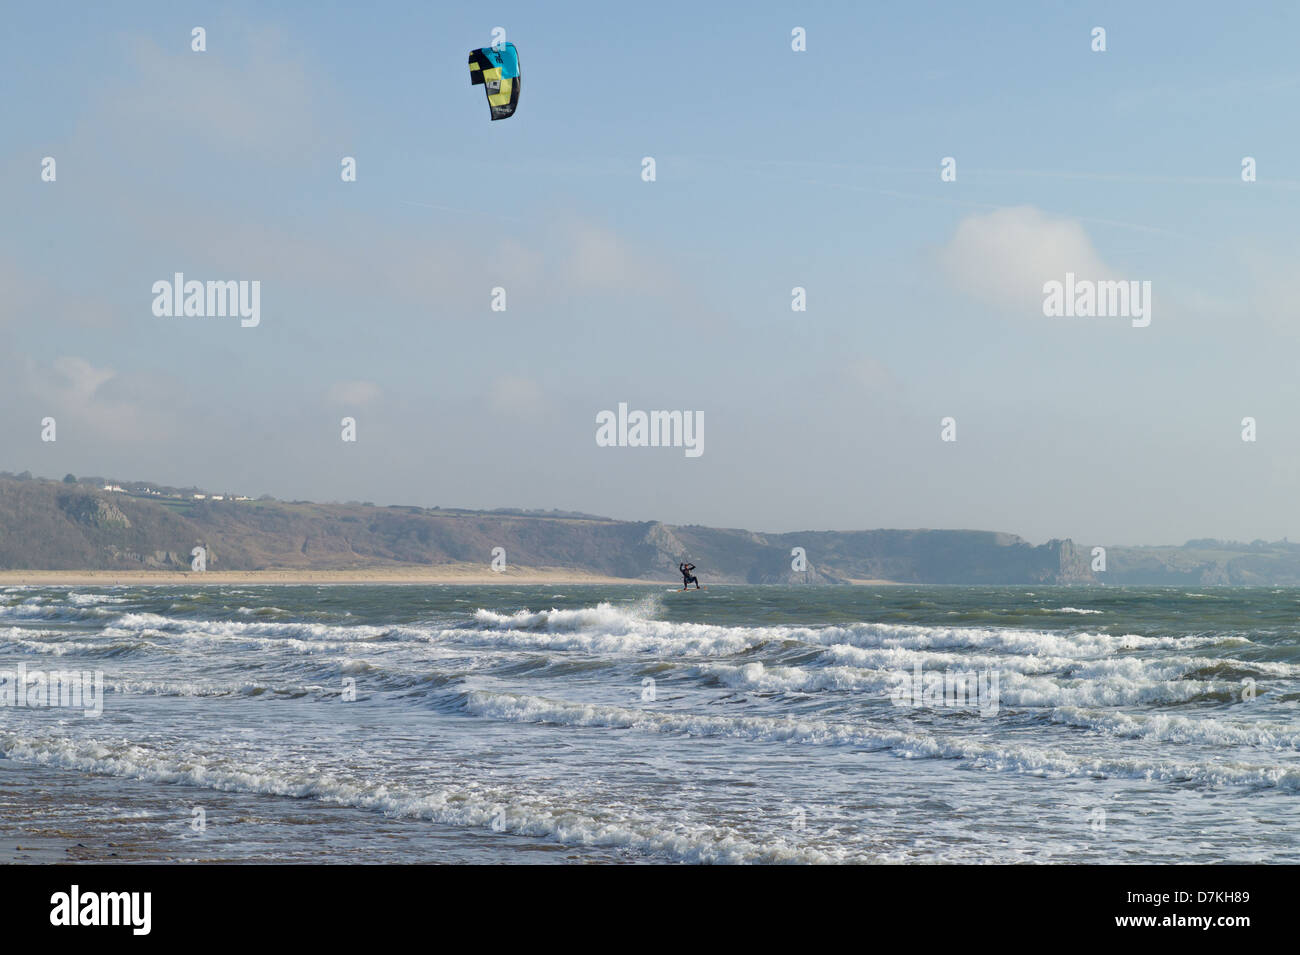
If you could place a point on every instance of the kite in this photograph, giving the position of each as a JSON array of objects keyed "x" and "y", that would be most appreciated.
[{"x": 497, "y": 68}]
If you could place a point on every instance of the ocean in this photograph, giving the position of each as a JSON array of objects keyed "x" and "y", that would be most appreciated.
[{"x": 550, "y": 724}]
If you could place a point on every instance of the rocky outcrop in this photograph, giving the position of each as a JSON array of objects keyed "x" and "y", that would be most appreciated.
[{"x": 93, "y": 511}]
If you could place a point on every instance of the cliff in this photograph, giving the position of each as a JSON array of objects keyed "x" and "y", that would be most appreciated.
[{"x": 71, "y": 525}]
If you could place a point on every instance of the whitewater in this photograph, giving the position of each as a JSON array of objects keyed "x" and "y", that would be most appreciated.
[{"x": 622, "y": 724}]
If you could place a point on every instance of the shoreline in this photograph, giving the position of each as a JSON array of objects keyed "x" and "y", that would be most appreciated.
[
  {"x": 55, "y": 815},
  {"x": 447, "y": 574},
  {"x": 452, "y": 574}
]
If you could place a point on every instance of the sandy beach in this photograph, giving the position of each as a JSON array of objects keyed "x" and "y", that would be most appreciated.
[
  {"x": 469, "y": 574},
  {"x": 464, "y": 574}
]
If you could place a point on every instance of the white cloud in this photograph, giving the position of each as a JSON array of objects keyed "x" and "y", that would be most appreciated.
[
  {"x": 356, "y": 392},
  {"x": 101, "y": 404},
  {"x": 544, "y": 266},
  {"x": 81, "y": 379},
  {"x": 29, "y": 298},
  {"x": 871, "y": 375},
  {"x": 247, "y": 93},
  {"x": 516, "y": 396},
  {"x": 1004, "y": 257},
  {"x": 1272, "y": 289},
  {"x": 595, "y": 258}
]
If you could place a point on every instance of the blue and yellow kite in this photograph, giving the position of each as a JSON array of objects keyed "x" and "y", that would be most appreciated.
[{"x": 497, "y": 68}]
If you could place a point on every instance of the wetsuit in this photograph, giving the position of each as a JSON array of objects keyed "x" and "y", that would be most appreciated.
[{"x": 687, "y": 579}]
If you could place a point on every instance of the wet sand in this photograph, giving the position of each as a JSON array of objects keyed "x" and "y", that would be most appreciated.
[
  {"x": 51, "y": 815},
  {"x": 30, "y": 832}
]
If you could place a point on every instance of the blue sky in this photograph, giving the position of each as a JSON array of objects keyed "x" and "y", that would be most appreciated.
[{"x": 775, "y": 169}]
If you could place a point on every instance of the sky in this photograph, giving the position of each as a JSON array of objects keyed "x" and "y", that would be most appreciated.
[{"x": 775, "y": 169}]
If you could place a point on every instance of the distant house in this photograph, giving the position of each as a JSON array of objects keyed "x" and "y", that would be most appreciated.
[
  {"x": 243, "y": 497},
  {"x": 114, "y": 488},
  {"x": 200, "y": 497},
  {"x": 218, "y": 497}
]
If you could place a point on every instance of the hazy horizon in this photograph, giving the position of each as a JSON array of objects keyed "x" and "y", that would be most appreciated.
[{"x": 775, "y": 169}]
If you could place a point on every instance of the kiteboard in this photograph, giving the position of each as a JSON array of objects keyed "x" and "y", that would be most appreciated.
[{"x": 682, "y": 590}]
